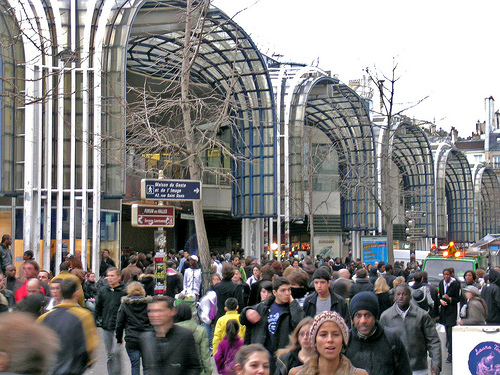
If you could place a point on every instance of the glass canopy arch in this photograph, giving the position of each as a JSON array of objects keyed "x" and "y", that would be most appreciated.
[
  {"x": 315, "y": 99},
  {"x": 486, "y": 201},
  {"x": 228, "y": 61},
  {"x": 454, "y": 195},
  {"x": 410, "y": 151}
]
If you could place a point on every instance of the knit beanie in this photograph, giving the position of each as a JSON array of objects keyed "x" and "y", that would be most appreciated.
[
  {"x": 328, "y": 316},
  {"x": 364, "y": 301}
]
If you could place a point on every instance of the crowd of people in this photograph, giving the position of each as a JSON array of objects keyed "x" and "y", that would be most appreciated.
[{"x": 258, "y": 316}]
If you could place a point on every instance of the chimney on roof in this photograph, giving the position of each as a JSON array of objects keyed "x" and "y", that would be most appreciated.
[{"x": 490, "y": 113}]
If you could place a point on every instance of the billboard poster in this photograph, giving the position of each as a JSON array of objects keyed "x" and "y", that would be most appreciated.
[
  {"x": 327, "y": 245},
  {"x": 374, "y": 249}
]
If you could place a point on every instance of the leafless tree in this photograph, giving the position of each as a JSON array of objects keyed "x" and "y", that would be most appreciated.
[
  {"x": 184, "y": 124},
  {"x": 390, "y": 176},
  {"x": 321, "y": 179}
]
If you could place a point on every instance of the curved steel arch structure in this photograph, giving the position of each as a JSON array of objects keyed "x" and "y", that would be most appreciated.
[
  {"x": 228, "y": 61},
  {"x": 486, "y": 201},
  {"x": 72, "y": 62},
  {"x": 454, "y": 195},
  {"x": 411, "y": 153},
  {"x": 311, "y": 98}
]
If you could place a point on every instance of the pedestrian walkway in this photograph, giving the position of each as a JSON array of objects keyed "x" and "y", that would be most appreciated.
[{"x": 100, "y": 368}]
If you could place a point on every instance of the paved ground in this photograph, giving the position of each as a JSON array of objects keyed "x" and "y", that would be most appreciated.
[{"x": 100, "y": 367}]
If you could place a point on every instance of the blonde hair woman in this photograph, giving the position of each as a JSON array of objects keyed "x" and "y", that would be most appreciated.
[
  {"x": 382, "y": 291},
  {"x": 133, "y": 318}
]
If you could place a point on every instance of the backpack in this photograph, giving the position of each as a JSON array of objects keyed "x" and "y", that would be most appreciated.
[
  {"x": 423, "y": 298},
  {"x": 212, "y": 313}
]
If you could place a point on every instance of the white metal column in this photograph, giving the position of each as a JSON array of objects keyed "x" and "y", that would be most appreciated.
[
  {"x": 97, "y": 62},
  {"x": 87, "y": 71}
]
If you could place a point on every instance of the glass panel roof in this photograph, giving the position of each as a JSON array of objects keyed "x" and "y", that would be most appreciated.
[
  {"x": 454, "y": 194},
  {"x": 227, "y": 61},
  {"x": 412, "y": 154},
  {"x": 331, "y": 106},
  {"x": 487, "y": 202}
]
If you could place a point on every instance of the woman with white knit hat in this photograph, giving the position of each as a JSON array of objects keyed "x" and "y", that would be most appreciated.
[{"x": 329, "y": 336}]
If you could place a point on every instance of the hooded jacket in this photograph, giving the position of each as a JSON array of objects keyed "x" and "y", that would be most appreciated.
[
  {"x": 475, "y": 312},
  {"x": 148, "y": 282},
  {"x": 133, "y": 318},
  {"x": 491, "y": 295},
  {"x": 174, "y": 283}
]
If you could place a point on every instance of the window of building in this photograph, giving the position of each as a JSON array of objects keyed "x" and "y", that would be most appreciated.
[{"x": 496, "y": 162}]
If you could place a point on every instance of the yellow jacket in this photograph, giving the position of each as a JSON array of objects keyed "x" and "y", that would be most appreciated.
[{"x": 220, "y": 328}]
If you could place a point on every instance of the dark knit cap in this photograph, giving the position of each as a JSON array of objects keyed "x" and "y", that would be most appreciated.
[{"x": 365, "y": 301}]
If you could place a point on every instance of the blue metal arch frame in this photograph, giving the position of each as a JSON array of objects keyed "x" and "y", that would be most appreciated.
[
  {"x": 411, "y": 152},
  {"x": 454, "y": 195},
  {"x": 336, "y": 110},
  {"x": 228, "y": 60},
  {"x": 486, "y": 202}
]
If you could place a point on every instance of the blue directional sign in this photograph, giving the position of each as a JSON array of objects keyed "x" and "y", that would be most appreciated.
[{"x": 171, "y": 190}]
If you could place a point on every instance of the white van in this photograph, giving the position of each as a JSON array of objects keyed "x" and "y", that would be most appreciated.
[{"x": 404, "y": 255}]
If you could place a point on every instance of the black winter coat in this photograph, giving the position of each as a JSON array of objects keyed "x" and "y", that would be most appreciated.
[
  {"x": 107, "y": 303},
  {"x": 390, "y": 279},
  {"x": 448, "y": 314},
  {"x": 338, "y": 304},
  {"x": 133, "y": 318},
  {"x": 226, "y": 289},
  {"x": 243, "y": 294},
  {"x": 255, "y": 293},
  {"x": 173, "y": 354},
  {"x": 361, "y": 285},
  {"x": 491, "y": 295},
  {"x": 383, "y": 353},
  {"x": 384, "y": 301},
  {"x": 90, "y": 289},
  {"x": 287, "y": 361},
  {"x": 373, "y": 275},
  {"x": 148, "y": 282},
  {"x": 174, "y": 284},
  {"x": 258, "y": 333},
  {"x": 105, "y": 264}
]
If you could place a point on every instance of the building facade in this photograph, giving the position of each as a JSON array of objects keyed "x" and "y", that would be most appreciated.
[{"x": 298, "y": 161}]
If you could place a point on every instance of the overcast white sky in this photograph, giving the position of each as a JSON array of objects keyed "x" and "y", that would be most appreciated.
[{"x": 446, "y": 50}]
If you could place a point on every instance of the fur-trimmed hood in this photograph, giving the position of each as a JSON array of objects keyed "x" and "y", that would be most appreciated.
[{"x": 132, "y": 300}]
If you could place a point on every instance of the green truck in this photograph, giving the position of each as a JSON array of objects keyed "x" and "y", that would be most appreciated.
[{"x": 435, "y": 264}]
